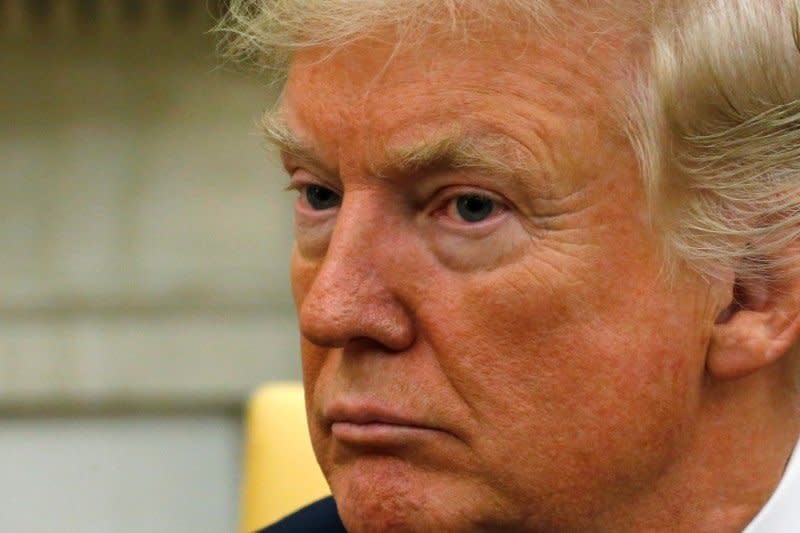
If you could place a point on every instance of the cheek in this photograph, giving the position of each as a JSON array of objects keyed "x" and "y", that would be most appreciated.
[
  {"x": 313, "y": 358},
  {"x": 588, "y": 379},
  {"x": 302, "y": 276},
  {"x": 576, "y": 340},
  {"x": 303, "y": 273}
]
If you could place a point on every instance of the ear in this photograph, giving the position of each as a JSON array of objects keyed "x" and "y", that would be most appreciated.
[{"x": 758, "y": 327}]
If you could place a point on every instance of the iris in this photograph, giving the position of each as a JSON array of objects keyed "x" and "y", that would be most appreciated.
[
  {"x": 320, "y": 198},
  {"x": 474, "y": 208}
]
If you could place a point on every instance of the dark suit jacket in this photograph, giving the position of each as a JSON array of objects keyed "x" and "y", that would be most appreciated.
[{"x": 319, "y": 517}]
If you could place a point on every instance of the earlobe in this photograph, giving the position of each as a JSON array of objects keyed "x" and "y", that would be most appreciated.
[
  {"x": 741, "y": 345},
  {"x": 756, "y": 330}
]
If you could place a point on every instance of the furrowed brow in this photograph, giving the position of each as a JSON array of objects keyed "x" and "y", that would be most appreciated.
[
  {"x": 490, "y": 153},
  {"x": 277, "y": 133}
]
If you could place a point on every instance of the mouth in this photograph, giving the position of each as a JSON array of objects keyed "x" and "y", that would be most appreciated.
[{"x": 373, "y": 426}]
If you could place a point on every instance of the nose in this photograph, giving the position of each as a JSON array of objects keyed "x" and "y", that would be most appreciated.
[{"x": 354, "y": 294}]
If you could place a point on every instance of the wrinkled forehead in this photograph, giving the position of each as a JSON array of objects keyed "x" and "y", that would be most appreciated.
[
  {"x": 283, "y": 27},
  {"x": 390, "y": 83},
  {"x": 505, "y": 31}
]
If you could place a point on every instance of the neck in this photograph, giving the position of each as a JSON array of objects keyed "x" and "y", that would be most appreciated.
[{"x": 732, "y": 461}]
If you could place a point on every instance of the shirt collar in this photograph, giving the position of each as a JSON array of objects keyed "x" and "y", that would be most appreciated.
[{"x": 781, "y": 514}]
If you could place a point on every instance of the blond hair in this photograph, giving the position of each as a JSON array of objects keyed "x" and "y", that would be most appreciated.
[
  {"x": 716, "y": 127},
  {"x": 268, "y": 32},
  {"x": 713, "y": 115}
]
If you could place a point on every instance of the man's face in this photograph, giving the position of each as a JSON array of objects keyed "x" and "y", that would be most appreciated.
[{"x": 482, "y": 345}]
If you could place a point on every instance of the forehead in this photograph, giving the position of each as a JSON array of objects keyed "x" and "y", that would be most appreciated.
[
  {"x": 519, "y": 64},
  {"x": 530, "y": 86}
]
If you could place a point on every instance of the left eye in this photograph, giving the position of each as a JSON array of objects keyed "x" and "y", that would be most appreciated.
[
  {"x": 321, "y": 198},
  {"x": 472, "y": 207}
]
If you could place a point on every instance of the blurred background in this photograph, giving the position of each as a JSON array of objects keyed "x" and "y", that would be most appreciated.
[{"x": 144, "y": 268}]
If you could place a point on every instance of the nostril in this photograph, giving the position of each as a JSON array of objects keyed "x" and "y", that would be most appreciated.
[{"x": 364, "y": 345}]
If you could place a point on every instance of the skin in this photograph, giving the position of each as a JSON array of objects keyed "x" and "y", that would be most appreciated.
[{"x": 564, "y": 383}]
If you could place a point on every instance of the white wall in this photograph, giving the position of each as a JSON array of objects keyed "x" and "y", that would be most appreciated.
[
  {"x": 145, "y": 242},
  {"x": 153, "y": 474},
  {"x": 140, "y": 213}
]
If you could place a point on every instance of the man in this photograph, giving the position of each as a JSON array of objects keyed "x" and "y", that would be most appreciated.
[{"x": 546, "y": 261}]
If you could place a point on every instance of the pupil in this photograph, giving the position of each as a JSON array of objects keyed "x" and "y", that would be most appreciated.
[
  {"x": 321, "y": 198},
  {"x": 474, "y": 208}
]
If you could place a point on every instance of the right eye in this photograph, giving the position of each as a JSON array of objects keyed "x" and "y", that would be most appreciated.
[{"x": 320, "y": 198}]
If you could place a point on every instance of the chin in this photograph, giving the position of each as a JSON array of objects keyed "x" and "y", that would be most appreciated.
[
  {"x": 382, "y": 493},
  {"x": 368, "y": 513}
]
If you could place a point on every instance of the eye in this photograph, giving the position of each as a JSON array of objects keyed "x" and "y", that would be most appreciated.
[
  {"x": 321, "y": 198},
  {"x": 472, "y": 207}
]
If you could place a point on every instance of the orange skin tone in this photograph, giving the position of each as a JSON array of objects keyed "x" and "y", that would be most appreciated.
[{"x": 568, "y": 381}]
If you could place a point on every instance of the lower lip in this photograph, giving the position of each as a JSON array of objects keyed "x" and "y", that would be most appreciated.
[{"x": 378, "y": 434}]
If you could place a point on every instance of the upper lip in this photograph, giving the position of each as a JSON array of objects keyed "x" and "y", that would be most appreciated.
[{"x": 366, "y": 413}]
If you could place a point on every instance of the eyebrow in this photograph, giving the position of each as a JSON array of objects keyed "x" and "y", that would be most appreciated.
[
  {"x": 277, "y": 133},
  {"x": 448, "y": 150}
]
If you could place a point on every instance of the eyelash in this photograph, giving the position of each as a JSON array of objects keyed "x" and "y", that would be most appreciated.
[
  {"x": 301, "y": 186},
  {"x": 441, "y": 201},
  {"x": 451, "y": 193}
]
